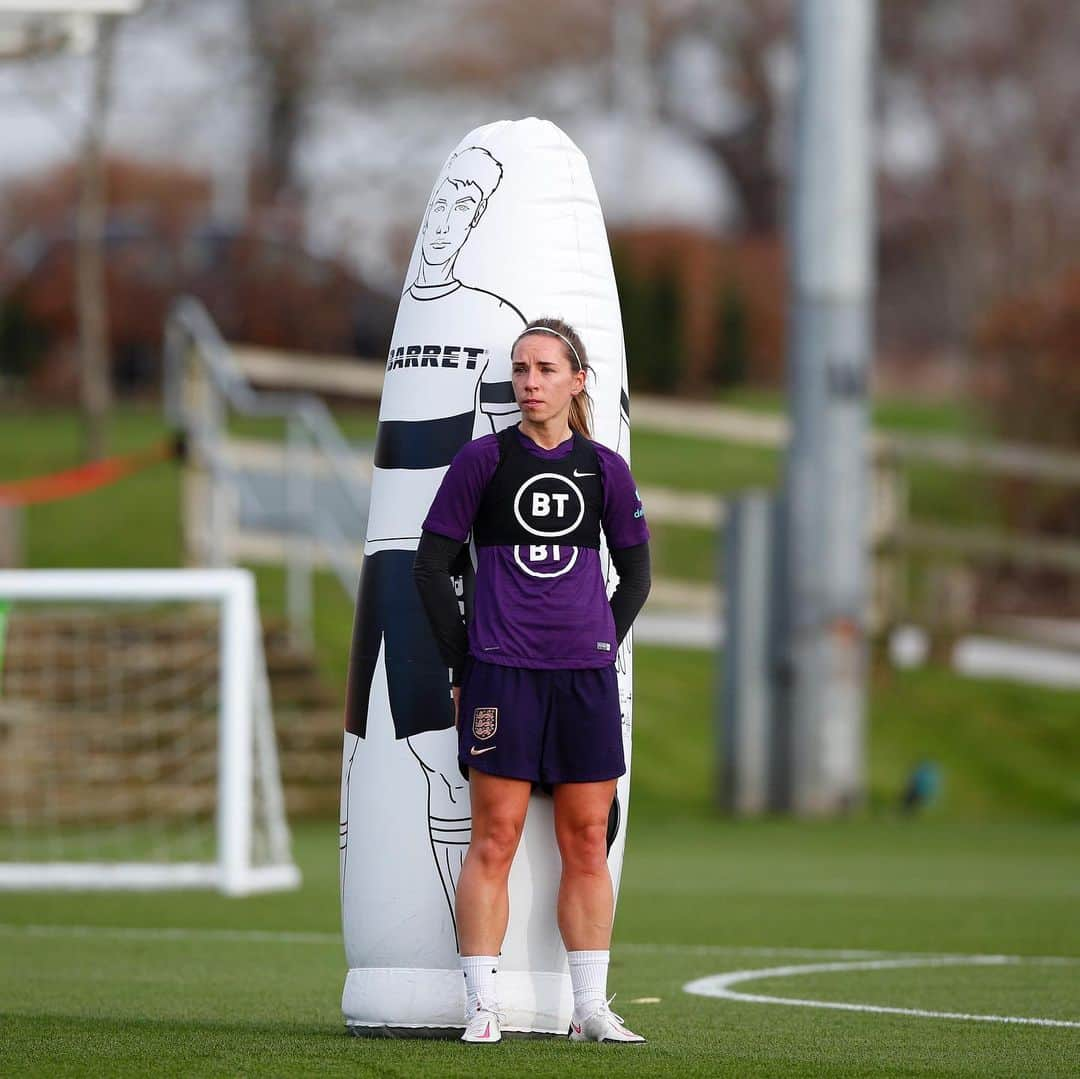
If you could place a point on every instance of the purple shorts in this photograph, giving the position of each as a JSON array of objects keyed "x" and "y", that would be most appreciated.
[{"x": 560, "y": 726}]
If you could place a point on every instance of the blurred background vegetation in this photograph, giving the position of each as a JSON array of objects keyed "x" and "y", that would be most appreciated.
[
  {"x": 1005, "y": 749},
  {"x": 273, "y": 160}
]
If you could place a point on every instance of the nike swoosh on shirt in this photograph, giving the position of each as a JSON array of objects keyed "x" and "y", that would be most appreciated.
[
  {"x": 476, "y": 752},
  {"x": 578, "y": 475}
]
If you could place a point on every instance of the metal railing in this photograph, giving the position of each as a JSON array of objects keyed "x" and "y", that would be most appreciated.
[{"x": 203, "y": 385}]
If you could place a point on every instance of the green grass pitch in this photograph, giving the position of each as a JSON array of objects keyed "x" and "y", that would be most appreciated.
[{"x": 196, "y": 984}]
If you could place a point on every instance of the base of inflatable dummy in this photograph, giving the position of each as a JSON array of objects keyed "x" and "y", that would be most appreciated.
[
  {"x": 417, "y": 1003},
  {"x": 446, "y": 1034}
]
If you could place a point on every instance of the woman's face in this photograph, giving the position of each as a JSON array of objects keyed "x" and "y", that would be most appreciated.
[{"x": 545, "y": 381}]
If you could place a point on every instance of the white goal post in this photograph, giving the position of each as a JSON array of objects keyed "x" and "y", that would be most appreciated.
[{"x": 149, "y": 747}]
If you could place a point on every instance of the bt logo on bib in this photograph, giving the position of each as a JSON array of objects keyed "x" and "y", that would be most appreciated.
[
  {"x": 549, "y": 505},
  {"x": 545, "y": 559}
]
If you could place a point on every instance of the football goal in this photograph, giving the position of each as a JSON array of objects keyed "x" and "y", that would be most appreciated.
[{"x": 137, "y": 746}]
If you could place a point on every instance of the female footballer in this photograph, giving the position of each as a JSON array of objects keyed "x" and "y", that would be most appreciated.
[{"x": 534, "y": 677}]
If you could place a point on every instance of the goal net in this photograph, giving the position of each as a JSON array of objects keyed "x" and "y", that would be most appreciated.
[{"x": 137, "y": 744}]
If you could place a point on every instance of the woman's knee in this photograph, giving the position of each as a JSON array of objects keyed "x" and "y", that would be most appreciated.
[
  {"x": 583, "y": 847},
  {"x": 494, "y": 842}
]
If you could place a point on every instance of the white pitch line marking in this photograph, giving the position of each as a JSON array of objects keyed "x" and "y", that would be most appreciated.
[
  {"x": 734, "y": 949},
  {"x": 262, "y": 936},
  {"x": 271, "y": 936},
  {"x": 243, "y": 936},
  {"x": 719, "y": 985},
  {"x": 837, "y": 953}
]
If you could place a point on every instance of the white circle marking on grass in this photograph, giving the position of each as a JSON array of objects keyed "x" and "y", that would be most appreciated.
[
  {"x": 715, "y": 985},
  {"x": 720, "y": 985}
]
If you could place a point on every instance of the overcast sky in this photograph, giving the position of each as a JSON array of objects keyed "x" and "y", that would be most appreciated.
[{"x": 183, "y": 93}]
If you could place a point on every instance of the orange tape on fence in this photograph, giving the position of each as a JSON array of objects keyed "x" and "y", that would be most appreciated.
[{"x": 86, "y": 478}]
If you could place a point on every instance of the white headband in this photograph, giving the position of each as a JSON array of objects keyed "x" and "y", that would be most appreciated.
[{"x": 554, "y": 333}]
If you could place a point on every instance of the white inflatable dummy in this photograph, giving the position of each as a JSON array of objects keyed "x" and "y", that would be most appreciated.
[{"x": 513, "y": 231}]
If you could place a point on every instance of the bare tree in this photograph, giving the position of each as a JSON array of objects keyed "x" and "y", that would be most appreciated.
[
  {"x": 285, "y": 39},
  {"x": 530, "y": 53},
  {"x": 93, "y": 315},
  {"x": 999, "y": 206},
  {"x": 750, "y": 42}
]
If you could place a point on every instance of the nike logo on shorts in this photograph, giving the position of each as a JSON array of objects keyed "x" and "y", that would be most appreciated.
[
  {"x": 476, "y": 751},
  {"x": 578, "y": 475}
]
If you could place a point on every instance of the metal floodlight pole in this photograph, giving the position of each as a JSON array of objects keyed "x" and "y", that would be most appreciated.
[
  {"x": 823, "y": 661},
  {"x": 746, "y": 731}
]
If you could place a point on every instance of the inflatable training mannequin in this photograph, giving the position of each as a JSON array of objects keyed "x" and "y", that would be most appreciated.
[{"x": 512, "y": 231}]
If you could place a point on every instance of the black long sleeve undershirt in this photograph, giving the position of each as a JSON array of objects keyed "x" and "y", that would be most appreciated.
[
  {"x": 432, "y": 570},
  {"x": 635, "y": 580},
  {"x": 433, "y": 567}
]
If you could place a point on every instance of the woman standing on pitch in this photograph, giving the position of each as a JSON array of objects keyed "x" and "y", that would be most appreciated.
[{"x": 534, "y": 677}]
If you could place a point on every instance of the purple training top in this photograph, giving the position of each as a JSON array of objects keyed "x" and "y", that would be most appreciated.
[{"x": 542, "y": 606}]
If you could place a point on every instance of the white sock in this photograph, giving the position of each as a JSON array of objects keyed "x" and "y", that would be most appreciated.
[
  {"x": 588, "y": 977},
  {"x": 479, "y": 971}
]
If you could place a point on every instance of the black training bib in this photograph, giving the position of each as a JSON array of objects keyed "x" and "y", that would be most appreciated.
[{"x": 534, "y": 501}]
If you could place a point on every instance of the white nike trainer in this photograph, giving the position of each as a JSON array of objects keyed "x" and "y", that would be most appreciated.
[
  {"x": 484, "y": 1027},
  {"x": 602, "y": 1026}
]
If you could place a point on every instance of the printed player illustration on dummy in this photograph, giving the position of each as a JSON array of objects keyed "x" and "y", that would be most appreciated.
[{"x": 447, "y": 382}]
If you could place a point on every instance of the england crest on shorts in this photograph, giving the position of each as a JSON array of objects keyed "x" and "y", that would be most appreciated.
[{"x": 485, "y": 722}]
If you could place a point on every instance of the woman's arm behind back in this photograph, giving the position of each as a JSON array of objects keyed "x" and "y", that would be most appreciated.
[
  {"x": 435, "y": 558},
  {"x": 635, "y": 580}
]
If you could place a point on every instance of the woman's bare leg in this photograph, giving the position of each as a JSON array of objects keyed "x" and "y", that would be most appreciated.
[
  {"x": 498, "y": 817},
  {"x": 586, "y": 900}
]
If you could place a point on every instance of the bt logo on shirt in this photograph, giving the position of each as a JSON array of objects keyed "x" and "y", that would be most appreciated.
[
  {"x": 541, "y": 503},
  {"x": 545, "y": 559},
  {"x": 549, "y": 505}
]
